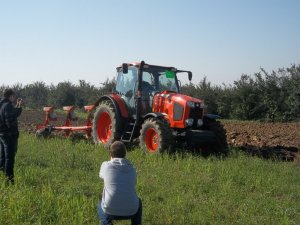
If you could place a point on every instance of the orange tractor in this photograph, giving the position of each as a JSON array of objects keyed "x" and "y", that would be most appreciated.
[{"x": 147, "y": 105}]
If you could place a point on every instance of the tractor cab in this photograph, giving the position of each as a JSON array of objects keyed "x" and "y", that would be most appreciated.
[{"x": 134, "y": 82}]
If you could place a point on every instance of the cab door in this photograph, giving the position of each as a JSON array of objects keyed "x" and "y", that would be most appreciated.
[{"x": 126, "y": 87}]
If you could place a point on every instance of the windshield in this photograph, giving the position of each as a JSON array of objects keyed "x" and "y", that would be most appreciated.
[{"x": 160, "y": 79}]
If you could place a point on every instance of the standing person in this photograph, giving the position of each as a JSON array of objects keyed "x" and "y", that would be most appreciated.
[
  {"x": 9, "y": 132},
  {"x": 119, "y": 198}
]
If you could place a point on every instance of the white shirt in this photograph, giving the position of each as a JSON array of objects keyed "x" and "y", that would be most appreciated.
[{"x": 119, "y": 196}]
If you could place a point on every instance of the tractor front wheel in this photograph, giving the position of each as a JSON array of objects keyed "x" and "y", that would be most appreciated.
[
  {"x": 106, "y": 124},
  {"x": 220, "y": 146},
  {"x": 156, "y": 136}
]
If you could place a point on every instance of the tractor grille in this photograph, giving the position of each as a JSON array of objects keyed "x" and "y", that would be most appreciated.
[
  {"x": 196, "y": 113},
  {"x": 178, "y": 111}
]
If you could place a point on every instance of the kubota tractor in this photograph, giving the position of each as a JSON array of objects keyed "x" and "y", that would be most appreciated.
[{"x": 147, "y": 104}]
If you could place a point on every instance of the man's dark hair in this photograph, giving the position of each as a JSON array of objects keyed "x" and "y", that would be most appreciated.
[
  {"x": 117, "y": 150},
  {"x": 8, "y": 92}
]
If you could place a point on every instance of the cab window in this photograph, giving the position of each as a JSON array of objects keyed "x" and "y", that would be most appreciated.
[{"x": 127, "y": 83}]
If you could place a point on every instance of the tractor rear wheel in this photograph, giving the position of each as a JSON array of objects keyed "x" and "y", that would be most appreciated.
[
  {"x": 107, "y": 124},
  {"x": 156, "y": 136},
  {"x": 220, "y": 146}
]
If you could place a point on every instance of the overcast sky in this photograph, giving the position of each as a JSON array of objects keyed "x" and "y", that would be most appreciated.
[{"x": 60, "y": 40}]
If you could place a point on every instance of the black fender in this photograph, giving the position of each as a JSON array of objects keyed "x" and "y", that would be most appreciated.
[{"x": 154, "y": 115}]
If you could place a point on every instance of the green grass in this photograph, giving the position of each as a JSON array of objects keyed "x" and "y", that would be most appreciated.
[{"x": 57, "y": 183}]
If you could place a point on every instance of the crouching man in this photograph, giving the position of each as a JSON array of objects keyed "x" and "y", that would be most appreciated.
[{"x": 119, "y": 198}]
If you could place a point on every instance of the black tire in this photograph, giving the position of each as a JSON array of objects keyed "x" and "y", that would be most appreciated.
[
  {"x": 164, "y": 138},
  {"x": 107, "y": 109},
  {"x": 220, "y": 146}
]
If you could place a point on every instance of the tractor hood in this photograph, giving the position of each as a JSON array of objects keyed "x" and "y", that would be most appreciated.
[
  {"x": 178, "y": 108},
  {"x": 177, "y": 97},
  {"x": 184, "y": 98}
]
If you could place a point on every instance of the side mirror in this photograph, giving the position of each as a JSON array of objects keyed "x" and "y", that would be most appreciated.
[
  {"x": 125, "y": 68},
  {"x": 190, "y": 76}
]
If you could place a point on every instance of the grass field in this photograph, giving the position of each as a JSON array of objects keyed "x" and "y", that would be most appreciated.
[{"x": 57, "y": 183}]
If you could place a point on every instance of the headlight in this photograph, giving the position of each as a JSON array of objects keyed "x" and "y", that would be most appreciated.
[
  {"x": 189, "y": 122},
  {"x": 200, "y": 122},
  {"x": 191, "y": 104}
]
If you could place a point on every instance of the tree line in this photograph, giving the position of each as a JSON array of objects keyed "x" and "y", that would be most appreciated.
[
  {"x": 263, "y": 96},
  {"x": 38, "y": 94}
]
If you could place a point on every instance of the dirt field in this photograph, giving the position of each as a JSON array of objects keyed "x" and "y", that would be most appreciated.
[{"x": 263, "y": 139}]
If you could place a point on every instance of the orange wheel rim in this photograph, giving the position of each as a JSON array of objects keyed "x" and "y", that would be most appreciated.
[
  {"x": 151, "y": 140},
  {"x": 104, "y": 127}
]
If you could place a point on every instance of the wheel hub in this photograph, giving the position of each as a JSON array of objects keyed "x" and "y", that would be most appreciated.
[
  {"x": 151, "y": 140},
  {"x": 104, "y": 127}
]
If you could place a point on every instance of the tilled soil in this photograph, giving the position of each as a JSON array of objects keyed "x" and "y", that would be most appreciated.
[
  {"x": 262, "y": 139},
  {"x": 263, "y": 134},
  {"x": 265, "y": 139}
]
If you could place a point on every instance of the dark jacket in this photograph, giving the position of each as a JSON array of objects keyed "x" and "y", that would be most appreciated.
[{"x": 8, "y": 118}]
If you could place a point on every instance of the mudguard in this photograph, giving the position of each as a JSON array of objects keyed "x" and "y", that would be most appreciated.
[
  {"x": 153, "y": 115},
  {"x": 118, "y": 103}
]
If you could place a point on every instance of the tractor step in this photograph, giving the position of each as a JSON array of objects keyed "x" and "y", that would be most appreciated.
[{"x": 129, "y": 132}]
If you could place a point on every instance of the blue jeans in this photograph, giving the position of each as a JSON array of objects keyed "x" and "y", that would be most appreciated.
[
  {"x": 8, "y": 145},
  {"x": 106, "y": 219}
]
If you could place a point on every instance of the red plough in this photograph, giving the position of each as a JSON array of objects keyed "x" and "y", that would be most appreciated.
[{"x": 67, "y": 127}]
